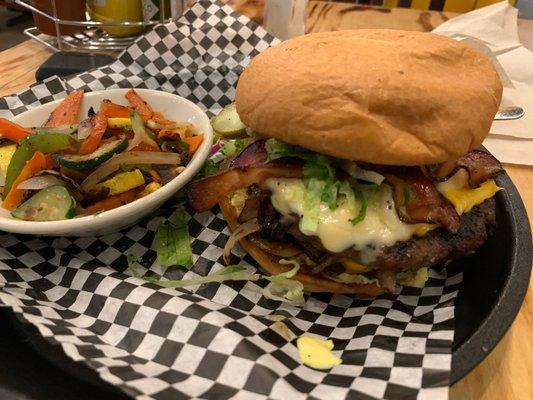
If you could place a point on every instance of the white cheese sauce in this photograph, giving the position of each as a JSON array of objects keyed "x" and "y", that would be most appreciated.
[{"x": 381, "y": 226}]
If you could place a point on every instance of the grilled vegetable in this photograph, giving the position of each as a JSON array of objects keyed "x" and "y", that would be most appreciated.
[
  {"x": 66, "y": 113},
  {"x": 139, "y": 105},
  {"x": 38, "y": 162},
  {"x": 63, "y": 129},
  {"x": 12, "y": 131},
  {"x": 46, "y": 143},
  {"x": 113, "y": 201},
  {"x": 50, "y": 204},
  {"x": 119, "y": 123},
  {"x": 121, "y": 182},
  {"x": 91, "y": 143},
  {"x": 112, "y": 110},
  {"x": 194, "y": 143},
  {"x": 6, "y": 152},
  {"x": 93, "y": 160}
]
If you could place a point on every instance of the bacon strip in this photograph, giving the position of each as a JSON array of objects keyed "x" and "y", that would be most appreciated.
[
  {"x": 417, "y": 199},
  {"x": 480, "y": 166},
  {"x": 253, "y": 155},
  {"x": 205, "y": 193}
]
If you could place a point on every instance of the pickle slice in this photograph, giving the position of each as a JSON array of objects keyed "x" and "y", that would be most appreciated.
[{"x": 228, "y": 124}]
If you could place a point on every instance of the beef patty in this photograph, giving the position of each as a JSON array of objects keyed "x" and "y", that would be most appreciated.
[{"x": 433, "y": 248}]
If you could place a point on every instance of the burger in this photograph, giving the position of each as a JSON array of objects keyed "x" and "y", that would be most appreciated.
[{"x": 361, "y": 161}]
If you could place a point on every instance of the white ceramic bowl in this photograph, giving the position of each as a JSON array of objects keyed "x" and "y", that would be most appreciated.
[{"x": 173, "y": 107}]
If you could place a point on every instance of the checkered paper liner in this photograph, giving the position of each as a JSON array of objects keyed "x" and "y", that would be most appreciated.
[{"x": 215, "y": 341}]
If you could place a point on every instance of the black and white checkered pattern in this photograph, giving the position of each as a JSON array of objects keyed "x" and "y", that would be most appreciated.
[{"x": 216, "y": 341}]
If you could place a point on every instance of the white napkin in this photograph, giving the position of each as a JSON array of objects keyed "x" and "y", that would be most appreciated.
[{"x": 495, "y": 28}]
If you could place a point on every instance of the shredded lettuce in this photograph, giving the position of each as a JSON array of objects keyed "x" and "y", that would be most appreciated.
[
  {"x": 347, "y": 192},
  {"x": 318, "y": 168},
  {"x": 362, "y": 211},
  {"x": 282, "y": 288},
  {"x": 132, "y": 259},
  {"x": 234, "y": 147},
  {"x": 173, "y": 241},
  {"x": 311, "y": 206},
  {"x": 358, "y": 279},
  {"x": 230, "y": 273}
]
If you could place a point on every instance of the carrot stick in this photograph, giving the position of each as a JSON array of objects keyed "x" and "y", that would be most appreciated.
[
  {"x": 139, "y": 105},
  {"x": 193, "y": 142},
  {"x": 92, "y": 141},
  {"x": 12, "y": 131},
  {"x": 114, "y": 201},
  {"x": 66, "y": 113},
  {"x": 37, "y": 163},
  {"x": 112, "y": 110}
]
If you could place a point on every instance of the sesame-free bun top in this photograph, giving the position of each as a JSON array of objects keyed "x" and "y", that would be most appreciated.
[{"x": 372, "y": 95}]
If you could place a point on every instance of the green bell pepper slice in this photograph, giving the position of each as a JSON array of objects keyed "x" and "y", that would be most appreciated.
[{"x": 46, "y": 143}]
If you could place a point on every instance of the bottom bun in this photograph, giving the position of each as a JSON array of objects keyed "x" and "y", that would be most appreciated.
[{"x": 312, "y": 283}]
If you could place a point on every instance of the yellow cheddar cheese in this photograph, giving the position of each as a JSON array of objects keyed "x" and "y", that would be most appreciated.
[{"x": 465, "y": 199}]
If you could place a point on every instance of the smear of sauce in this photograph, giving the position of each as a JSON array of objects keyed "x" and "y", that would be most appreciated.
[{"x": 316, "y": 353}]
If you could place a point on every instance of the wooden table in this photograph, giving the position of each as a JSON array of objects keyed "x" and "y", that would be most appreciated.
[{"x": 507, "y": 373}]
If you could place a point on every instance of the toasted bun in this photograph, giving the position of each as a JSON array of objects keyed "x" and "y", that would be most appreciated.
[
  {"x": 311, "y": 283},
  {"x": 372, "y": 95}
]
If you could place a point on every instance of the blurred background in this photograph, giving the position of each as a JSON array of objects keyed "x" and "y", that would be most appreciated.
[{"x": 22, "y": 19}]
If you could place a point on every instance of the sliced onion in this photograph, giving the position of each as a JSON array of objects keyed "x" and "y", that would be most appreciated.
[
  {"x": 242, "y": 231},
  {"x": 363, "y": 174},
  {"x": 277, "y": 248},
  {"x": 40, "y": 182},
  {"x": 84, "y": 128},
  {"x": 67, "y": 179},
  {"x": 139, "y": 133},
  {"x": 132, "y": 157}
]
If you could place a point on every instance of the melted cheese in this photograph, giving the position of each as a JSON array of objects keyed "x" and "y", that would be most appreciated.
[
  {"x": 463, "y": 198},
  {"x": 380, "y": 227},
  {"x": 316, "y": 353}
]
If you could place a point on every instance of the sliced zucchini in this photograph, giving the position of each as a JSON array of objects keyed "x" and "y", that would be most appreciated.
[
  {"x": 51, "y": 204},
  {"x": 6, "y": 152},
  {"x": 63, "y": 129},
  {"x": 228, "y": 124},
  {"x": 93, "y": 160},
  {"x": 119, "y": 123},
  {"x": 121, "y": 182}
]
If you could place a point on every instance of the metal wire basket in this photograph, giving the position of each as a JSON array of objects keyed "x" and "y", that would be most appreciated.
[{"x": 92, "y": 38}]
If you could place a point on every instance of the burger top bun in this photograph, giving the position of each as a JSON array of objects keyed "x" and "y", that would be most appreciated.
[{"x": 373, "y": 95}]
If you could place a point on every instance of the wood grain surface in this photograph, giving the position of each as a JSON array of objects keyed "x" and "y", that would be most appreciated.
[{"x": 506, "y": 373}]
